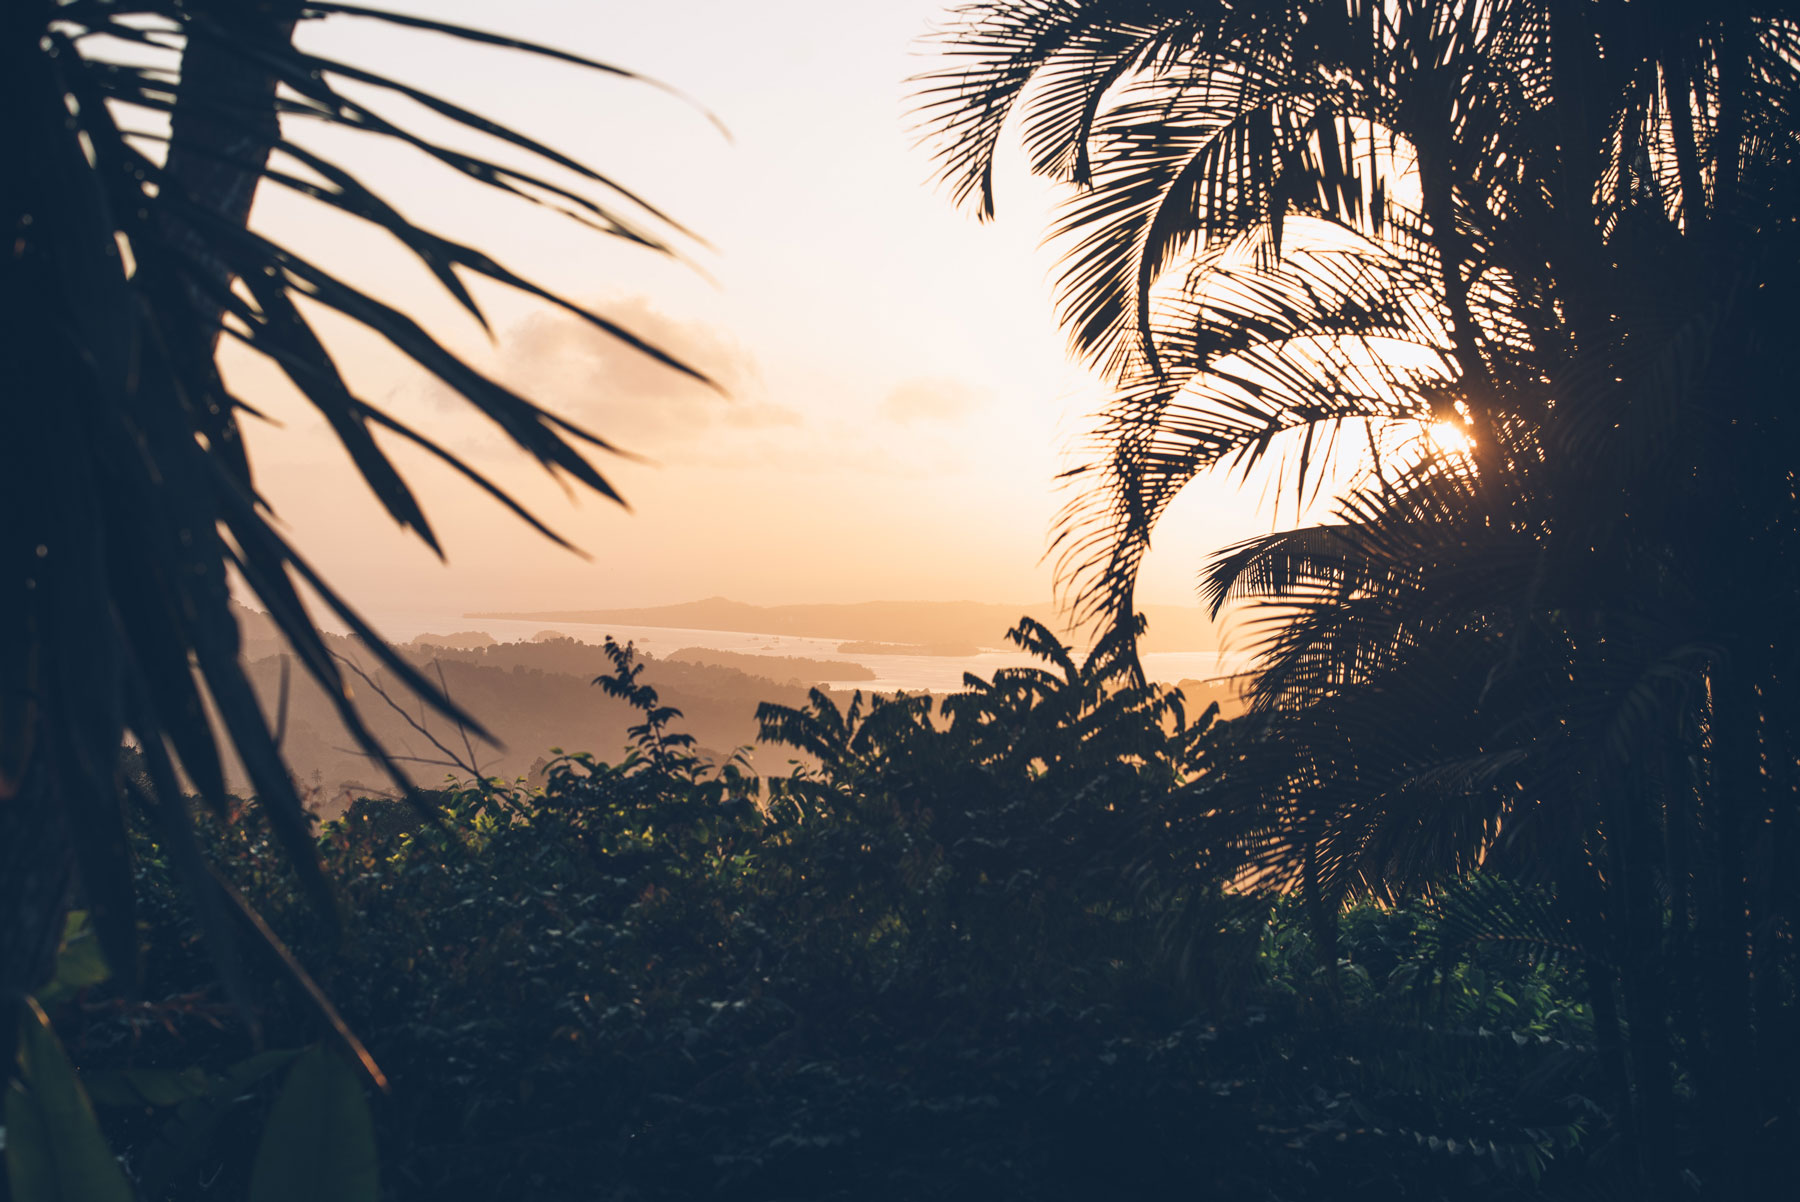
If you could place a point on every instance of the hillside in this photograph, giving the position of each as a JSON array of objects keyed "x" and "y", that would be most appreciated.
[
  {"x": 539, "y": 695},
  {"x": 533, "y": 697}
]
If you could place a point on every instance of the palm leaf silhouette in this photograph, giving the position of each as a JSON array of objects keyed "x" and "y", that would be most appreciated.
[
  {"x": 139, "y": 133},
  {"x": 1295, "y": 228}
]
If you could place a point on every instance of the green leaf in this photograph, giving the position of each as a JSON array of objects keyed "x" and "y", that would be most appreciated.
[
  {"x": 147, "y": 1087},
  {"x": 54, "y": 1149},
  {"x": 79, "y": 962},
  {"x": 320, "y": 1141},
  {"x": 188, "y": 1136}
]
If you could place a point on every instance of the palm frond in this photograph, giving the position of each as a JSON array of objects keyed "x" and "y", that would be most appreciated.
[{"x": 131, "y": 598}]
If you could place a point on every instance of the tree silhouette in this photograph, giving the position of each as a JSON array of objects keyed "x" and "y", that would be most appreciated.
[
  {"x": 137, "y": 133},
  {"x": 1570, "y": 229}
]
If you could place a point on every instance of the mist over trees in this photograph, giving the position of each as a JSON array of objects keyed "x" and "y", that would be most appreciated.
[{"x": 533, "y": 698}]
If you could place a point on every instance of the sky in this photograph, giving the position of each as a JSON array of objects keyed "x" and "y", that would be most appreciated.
[{"x": 897, "y": 398}]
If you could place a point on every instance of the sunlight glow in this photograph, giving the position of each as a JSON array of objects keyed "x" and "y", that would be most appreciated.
[{"x": 1449, "y": 437}]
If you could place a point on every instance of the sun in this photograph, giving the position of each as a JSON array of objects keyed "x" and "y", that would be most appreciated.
[{"x": 1449, "y": 437}]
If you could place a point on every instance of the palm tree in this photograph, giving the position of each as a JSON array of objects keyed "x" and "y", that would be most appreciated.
[
  {"x": 1571, "y": 229},
  {"x": 138, "y": 132}
]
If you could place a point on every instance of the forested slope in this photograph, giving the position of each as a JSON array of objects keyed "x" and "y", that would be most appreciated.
[{"x": 533, "y": 697}]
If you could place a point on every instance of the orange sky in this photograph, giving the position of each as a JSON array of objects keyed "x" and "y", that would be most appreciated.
[{"x": 899, "y": 401}]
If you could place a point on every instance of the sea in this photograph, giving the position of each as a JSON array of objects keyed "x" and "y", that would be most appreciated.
[{"x": 893, "y": 673}]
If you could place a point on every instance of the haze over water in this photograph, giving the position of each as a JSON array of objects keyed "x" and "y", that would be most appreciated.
[{"x": 893, "y": 673}]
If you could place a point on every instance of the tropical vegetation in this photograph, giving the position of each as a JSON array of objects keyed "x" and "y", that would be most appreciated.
[
  {"x": 1551, "y": 638},
  {"x": 138, "y": 133},
  {"x": 1486, "y": 896},
  {"x": 975, "y": 948}
]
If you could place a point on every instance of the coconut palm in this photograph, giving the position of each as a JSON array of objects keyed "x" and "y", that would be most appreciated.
[
  {"x": 138, "y": 132},
  {"x": 1570, "y": 229}
]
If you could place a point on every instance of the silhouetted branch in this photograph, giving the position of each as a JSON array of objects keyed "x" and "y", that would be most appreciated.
[{"x": 451, "y": 759}]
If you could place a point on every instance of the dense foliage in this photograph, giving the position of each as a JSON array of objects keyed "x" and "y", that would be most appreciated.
[
  {"x": 1489, "y": 896},
  {"x": 968, "y": 950},
  {"x": 1533, "y": 262}
]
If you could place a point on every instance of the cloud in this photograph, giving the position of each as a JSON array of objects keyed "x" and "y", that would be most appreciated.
[
  {"x": 600, "y": 382},
  {"x": 760, "y": 415},
  {"x": 639, "y": 405},
  {"x": 934, "y": 400},
  {"x": 624, "y": 394}
]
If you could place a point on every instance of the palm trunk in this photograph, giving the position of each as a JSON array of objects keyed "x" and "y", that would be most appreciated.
[
  {"x": 1595, "y": 881},
  {"x": 1609, "y": 1036},
  {"x": 1683, "y": 957},
  {"x": 1646, "y": 994},
  {"x": 1321, "y": 918},
  {"x": 1729, "y": 1125},
  {"x": 1777, "y": 1014}
]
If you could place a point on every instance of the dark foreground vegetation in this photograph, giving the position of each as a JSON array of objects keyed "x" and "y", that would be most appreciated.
[
  {"x": 986, "y": 953},
  {"x": 1524, "y": 708}
]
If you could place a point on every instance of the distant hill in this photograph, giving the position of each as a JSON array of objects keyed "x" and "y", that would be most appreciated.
[
  {"x": 533, "y": 696},
  {"x": 977, "y": 623},
  {"x": 539, "y": 694},
  {"x": 1228, "y": 691},
  {"x": 946, "y": 650},
  {"x": 462, "y": 641}
]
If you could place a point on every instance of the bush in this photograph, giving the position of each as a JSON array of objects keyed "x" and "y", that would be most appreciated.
[{"x": 963, "y": 953}]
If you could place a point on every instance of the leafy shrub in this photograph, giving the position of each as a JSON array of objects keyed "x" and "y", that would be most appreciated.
[{"x": 969, "y": 949}]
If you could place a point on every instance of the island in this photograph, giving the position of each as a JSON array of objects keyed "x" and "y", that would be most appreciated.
[
  {"x": 948, "y": 650},
  {"x": 774, "y": 667}
]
